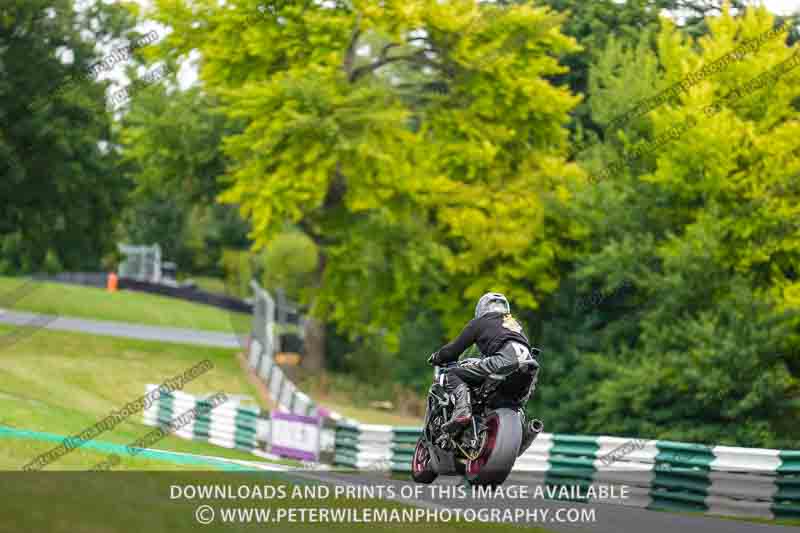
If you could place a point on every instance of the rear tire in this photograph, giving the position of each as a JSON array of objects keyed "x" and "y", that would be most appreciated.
[
  {"x": 504, "y": 435},
  {"x": 422, "y": 470}
]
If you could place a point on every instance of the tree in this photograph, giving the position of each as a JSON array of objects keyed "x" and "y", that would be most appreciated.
[
  {"x": 593, "y": 24},
  {"x": 597, "y": 24},
  {"x": 171, "y": 142},
  {"x": 171, "y": 150},
  {"x": 373, "y": 125},
  {"x": 59, "y": 195},
  {"x": 703, "y": 346}
]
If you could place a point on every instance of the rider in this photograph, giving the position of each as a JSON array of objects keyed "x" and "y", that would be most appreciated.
[{"x": 501, "y": 342}]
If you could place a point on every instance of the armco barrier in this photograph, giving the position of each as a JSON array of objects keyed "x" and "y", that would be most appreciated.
[
  {"x": 665, "y": 475},
  {"x": 282, "y": 391}
]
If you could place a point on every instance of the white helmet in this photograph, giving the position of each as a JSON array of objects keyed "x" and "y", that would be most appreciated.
[{"x": 492, "y": 302}]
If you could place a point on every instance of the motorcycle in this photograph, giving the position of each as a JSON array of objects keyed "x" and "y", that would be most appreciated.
[{"x": 486, "y": 450}]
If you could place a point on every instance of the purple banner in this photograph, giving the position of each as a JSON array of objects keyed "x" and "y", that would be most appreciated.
[
  {"x": 295, "y": 436},
  {"x": 283, "y": 415}
]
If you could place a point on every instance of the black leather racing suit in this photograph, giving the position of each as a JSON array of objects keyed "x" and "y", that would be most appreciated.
[{"x": 496, "y": 335}]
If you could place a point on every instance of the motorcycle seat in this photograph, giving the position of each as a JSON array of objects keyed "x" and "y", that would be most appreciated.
[{"x": 502, "y": 373}]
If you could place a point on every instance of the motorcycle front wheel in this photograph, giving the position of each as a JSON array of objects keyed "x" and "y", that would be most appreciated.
[{"x": 422, "y": 470}]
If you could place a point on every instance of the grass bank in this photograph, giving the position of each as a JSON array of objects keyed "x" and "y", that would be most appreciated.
[
  {"x": 124, "y": 306},
  {"x": 59, "y": 382}
]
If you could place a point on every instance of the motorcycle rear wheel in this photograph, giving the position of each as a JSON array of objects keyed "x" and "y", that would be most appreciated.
[{"x": 499, "y": 450}]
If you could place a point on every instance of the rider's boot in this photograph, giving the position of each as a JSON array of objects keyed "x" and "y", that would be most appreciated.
[{"x": 462, "y": 413}]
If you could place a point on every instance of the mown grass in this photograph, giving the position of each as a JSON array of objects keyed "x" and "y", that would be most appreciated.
[
  {"x": 125, "y": 306},
  {"x": 370, "y": 416},
  {"x": 62, "y": 383},
  {"x": 213, "y": 285},
  {"x": 140, "y": 308},
  {"x": 362, "y": 400}
]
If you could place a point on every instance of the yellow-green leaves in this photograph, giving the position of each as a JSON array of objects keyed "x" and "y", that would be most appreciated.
[{"x": 345, "y": 136}]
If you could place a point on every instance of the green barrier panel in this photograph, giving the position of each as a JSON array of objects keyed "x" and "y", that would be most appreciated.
[
  {"x": 404, "y": 442},
  {"x": 165, "y": 406},
  {"x": 571, "y": 463},
  {"x": 787, "y": 498},
  {"x": 790, "y": 462},
  {"x": 346, "y": 441},
  {"x": 786, "y": 510},
  {"x": 681, "y": 479}
]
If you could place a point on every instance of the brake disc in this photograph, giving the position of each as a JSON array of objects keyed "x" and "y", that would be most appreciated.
[{"x": 477, "y": 453}]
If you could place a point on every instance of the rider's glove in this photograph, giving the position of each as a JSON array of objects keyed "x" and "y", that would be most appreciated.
[{"x": 432, "y": 359}]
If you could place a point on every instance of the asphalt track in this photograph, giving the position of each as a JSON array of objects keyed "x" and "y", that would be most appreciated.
[
  {"x": 609, "y": 518},
  {"x": 121, "y": 329}
]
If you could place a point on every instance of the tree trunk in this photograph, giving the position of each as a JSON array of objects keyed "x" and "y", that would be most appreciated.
[
  {"x": 314, "y": 331},
  {"x": 314, "y": 346}
]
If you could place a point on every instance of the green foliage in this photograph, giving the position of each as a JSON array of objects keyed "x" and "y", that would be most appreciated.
[
  {"x": 705, "y": 345},
  {"x": 289, "y": 262},
  {"x": 52, "y": 265},
  {"x": 12, "y": 259},
  {"x": 157, "y": 221},
  {"x": 344, "y": 137},
  {"x": 210, "y": 228},
  {"x": 238, "y": 268},
  {"x": 594, "y": 25},
  {"x": 171, "y": 146},
  {"x": 368, "y": 357},
  {"x": 715, "y": 376},
  {"x": 58, "y": 189},
  {"x": 418, "y": 335}
]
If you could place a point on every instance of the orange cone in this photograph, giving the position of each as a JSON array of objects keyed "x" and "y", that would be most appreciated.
[{"x": 112, "y": 282}]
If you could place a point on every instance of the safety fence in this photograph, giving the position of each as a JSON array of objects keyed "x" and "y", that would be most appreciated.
[
  {"x": 227, "y": 425},
  {"x": 675, "y": 476},
  {"x": 142, "y": 263},
  {"x": 364, "y": 446},
  {"x": 720, "y": 480},
  {"x": 271, "y": 319},
  {"x": 188, "y": 293},
  {"x": 665, "y": 475},
  {"x": 282, "y": 390}
]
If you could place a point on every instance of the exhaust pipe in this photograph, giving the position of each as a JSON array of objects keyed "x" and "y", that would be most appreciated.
[{"x": 530, "y": 431}]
